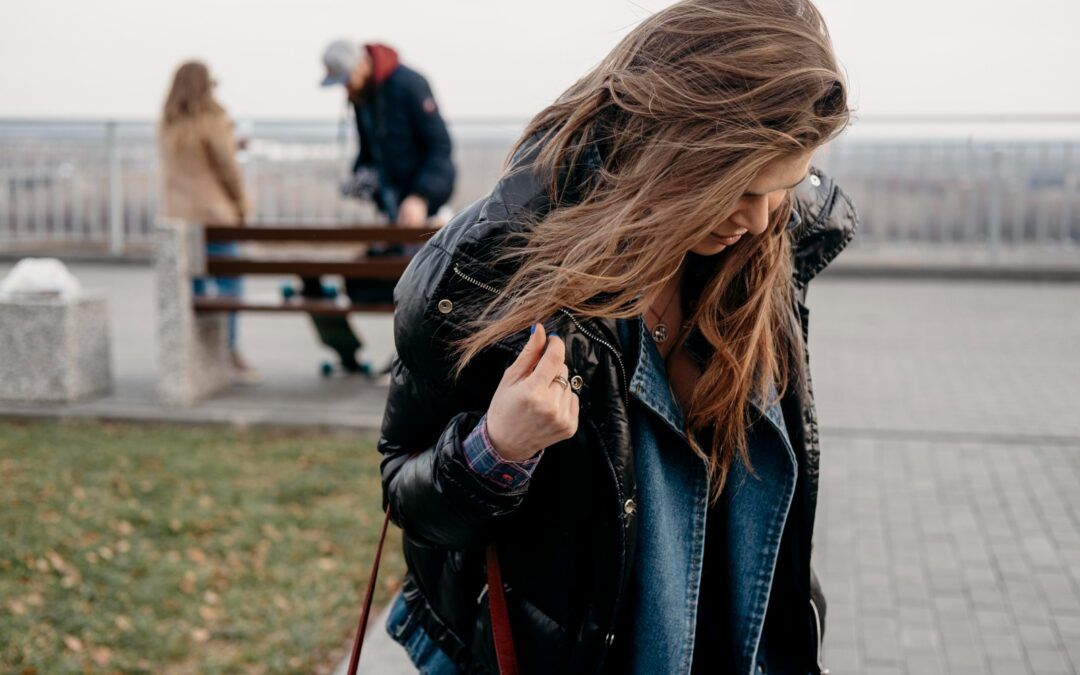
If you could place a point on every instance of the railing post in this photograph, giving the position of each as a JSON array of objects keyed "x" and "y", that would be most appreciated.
[
  {"x": 1071, "y": 181},
  {"x": 997, "y": 185},
  {"x": 116, "y": 194}
]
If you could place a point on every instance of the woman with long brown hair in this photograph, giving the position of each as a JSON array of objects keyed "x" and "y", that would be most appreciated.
[
  {"x": 200, "y": 177},
  {"x": 600, "y": 440}
]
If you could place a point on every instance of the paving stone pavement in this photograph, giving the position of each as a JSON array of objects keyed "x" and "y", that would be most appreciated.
[{"x": 948, "y": 537}]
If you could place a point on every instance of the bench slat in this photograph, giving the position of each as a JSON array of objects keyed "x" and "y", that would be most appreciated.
[
  {"x": 390, "y": 235},
  {"x": 306, "y": 305},
  {"x": 376, "y": 268}
]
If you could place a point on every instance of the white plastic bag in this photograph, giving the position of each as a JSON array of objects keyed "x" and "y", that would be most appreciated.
[{"x": 40, "y": 277}]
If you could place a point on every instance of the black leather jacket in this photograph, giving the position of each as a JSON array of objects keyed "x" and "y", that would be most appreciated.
[{"x": 566, "y": 545}]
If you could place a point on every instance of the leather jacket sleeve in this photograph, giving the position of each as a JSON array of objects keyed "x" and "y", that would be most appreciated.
[{"x": 430, "y": 490}]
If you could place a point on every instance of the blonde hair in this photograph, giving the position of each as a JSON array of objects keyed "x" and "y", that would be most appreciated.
[
  {"x": 191, "y": 94},
  {"x": 689, "y": 107}
]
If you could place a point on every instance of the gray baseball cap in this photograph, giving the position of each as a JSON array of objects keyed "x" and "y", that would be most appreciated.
[{"x": 340, "y": 59}]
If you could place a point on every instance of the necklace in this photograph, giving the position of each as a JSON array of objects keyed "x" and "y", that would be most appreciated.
[{"x": 659, "y": 334}]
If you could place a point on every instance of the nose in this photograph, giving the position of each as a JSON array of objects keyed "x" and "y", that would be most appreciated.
[{"x": 755, "y": 214}]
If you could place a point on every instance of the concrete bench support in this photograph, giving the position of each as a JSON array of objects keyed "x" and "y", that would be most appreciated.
[{"x": 193, "y": 353}]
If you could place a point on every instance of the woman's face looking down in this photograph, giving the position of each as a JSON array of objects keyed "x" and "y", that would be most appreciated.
[{"x": 752, "y": 211}]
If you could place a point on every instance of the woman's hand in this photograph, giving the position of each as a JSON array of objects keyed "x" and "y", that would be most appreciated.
[
  {"x": 529, "y": 410},
  {"x": 412, "y": 212}
]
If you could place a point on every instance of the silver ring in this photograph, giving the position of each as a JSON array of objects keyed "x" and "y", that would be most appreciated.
[{"x": 562, "y": 380}]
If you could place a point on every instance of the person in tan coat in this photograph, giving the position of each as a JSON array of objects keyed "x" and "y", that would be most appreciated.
[{"x": 201, "y": 180}]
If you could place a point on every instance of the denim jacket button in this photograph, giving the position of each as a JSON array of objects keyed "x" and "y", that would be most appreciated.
[
  {"x": 576, "y": 383},
  {"x": 629, "y": 507},
  {"x": 610, "y": 640},
  {"x": 445, "y": 306}
]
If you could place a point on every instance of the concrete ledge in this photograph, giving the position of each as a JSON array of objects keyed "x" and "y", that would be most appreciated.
[{"x": 947, "y": 261}]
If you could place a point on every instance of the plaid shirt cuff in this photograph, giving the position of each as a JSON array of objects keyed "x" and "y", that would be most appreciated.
[{"x": 505, "y": 475}]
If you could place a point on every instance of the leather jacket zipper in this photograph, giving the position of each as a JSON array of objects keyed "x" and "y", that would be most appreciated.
[{"x": 615, "y": 352}]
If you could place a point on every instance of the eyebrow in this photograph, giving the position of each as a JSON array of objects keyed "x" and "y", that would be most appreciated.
[{"x": 762, "y": 194}]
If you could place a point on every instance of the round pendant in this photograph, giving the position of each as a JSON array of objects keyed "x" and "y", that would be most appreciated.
[{"x": 659, "y": 333}]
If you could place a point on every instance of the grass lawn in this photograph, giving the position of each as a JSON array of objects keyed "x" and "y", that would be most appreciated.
[{"x": 146, "y": 549}]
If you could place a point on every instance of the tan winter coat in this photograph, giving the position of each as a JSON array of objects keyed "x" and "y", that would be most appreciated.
[{"x": 201, "y": 180}]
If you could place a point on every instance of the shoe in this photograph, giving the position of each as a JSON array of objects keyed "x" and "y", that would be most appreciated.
[{"x": 242, "y": 372}]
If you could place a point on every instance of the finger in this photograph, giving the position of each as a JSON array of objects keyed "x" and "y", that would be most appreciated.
[
  {"x": 571, "y": 410},
  {"x": 563, "y": 385},
  {"x": 565, "y": 372},
  {"x": 575, "y": 405},
  {"x": 552, "y": 362},
  {"x": 526, "y": 360}
]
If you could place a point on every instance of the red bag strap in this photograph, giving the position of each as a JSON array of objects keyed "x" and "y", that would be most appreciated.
[
  {"x": 358, "y": 641},
  {"x": 500, "y": 616}
]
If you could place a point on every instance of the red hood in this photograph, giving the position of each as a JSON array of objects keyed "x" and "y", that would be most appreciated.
[{"x": 384, "y": 61}]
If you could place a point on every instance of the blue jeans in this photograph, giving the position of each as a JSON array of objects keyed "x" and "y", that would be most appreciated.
[
  {"x": 226, "y": 287},
  {"x": 422, "y": 650}
]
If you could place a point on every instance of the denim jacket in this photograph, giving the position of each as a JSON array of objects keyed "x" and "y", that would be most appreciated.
[{"x": 673, "y": 503}]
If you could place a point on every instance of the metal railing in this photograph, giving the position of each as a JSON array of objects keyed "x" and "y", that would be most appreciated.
[{"x": 95, "y": 183}]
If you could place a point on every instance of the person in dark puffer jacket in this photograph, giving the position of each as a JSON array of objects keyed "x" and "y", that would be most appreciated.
[{"x": 402, "y": 135}]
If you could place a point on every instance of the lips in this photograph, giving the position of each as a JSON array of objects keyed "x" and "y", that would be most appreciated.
[{"x": 726, "y": 241}]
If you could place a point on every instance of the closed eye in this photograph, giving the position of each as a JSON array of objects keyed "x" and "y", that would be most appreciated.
[{"x": 764, "y": 194}]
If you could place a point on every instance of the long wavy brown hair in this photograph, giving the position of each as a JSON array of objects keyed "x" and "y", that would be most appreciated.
[
  {"x": 689, "y": 107},
  {"x": 191, "y": 94}
]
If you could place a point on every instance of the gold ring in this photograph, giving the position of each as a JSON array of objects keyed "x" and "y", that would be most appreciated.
[{"x": 562, "y": 380}]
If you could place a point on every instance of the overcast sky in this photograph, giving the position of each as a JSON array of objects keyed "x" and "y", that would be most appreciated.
[{"x": 503, "y": 58}]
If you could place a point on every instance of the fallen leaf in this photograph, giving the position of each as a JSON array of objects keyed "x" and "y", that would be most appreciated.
[
  {"x": 200, "y": 635},
  {"x": 57, "y": 562},
  {"x": 102, "y": 655},
  {"x": 187, "y": 583},
  {"x": 73, "y": 643},
  {"x": 197, "y": 556}
]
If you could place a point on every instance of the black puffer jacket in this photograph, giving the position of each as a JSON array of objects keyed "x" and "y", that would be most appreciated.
[
  {"x": 565, "y": 547},
  {"x": 400, "y": 127}
]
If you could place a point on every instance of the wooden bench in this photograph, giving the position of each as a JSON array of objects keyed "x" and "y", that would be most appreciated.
[
  {"x": 381, "y": 268},
  {"x": 192, "y": 331}
]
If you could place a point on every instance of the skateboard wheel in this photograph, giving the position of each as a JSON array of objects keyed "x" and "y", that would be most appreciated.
[
  {"x": 329, "y": 291},
  {"x": 287, "y": 291},
  {"x": 327, "y": 369},
  {"x": 366, "y": 368}
]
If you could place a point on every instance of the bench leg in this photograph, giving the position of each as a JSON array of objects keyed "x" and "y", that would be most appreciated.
[{"x": 193, "y": 354}]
